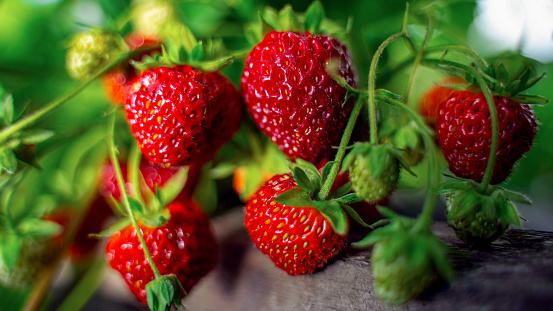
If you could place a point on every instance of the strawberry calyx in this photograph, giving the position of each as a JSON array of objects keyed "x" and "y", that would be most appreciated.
[
  {"x": 182, "y": 48},
  {"x": 477, "y": 217},
  {"x": 310, "y": 183},
  {"x": 164, "y": 292},
  {"x": 312, "y": 20}
]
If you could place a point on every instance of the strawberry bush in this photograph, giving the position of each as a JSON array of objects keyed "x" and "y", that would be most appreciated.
[{"x": 126, "y": 125}]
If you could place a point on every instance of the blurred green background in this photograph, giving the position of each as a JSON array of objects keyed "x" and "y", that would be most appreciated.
[{"x": 34, "y": 36}]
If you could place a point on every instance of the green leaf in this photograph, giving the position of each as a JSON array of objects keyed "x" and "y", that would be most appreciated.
[
  {"x": 198, "y": 53},
  {"x": 10, "y": 247},
  {"x": 334, "y": 213},
  {"x": 36, "y": 136},
  {"x": 313, "y": 17},
  {"x": 120, "y": 225},
  {"x": 8, "y": 160},
  {"x": 223, "y": 170},
  {"x": 289, "y": 20},
  {"x": 295, "y": 197},
  {"x": 40, "y": 228}
]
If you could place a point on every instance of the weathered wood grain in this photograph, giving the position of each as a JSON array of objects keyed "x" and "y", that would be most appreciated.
[{"x": 516, "y": 273}]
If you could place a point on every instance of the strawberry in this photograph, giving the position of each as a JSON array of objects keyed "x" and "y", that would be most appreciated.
[
  {"x": 182, "y": 115},
  {"x": 405, "y": 259},
  {"x": 116, "y": 82},
  {"x": 292, "y": 98},
  {"x": 480, "y": 217},
  {"x": 299, "y": 240},
  {"x": 183, "y": 246},
  {"x": 434, "y": 96},
  {"x": 89, "y": 51},
  {"x": 373, "y": 170},
  {"x": 464, "y": 134}
]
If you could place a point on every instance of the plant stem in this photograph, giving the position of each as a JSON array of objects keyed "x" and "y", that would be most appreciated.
[
  {"x": 372, "y": 78},
  {"x": 425, "y": 217},
  {"x": 121, "y": 182},
  {"x": 325, "y": 189},
  {"x": 483, "y": 188},
  {"x": 418, "y": 59}
]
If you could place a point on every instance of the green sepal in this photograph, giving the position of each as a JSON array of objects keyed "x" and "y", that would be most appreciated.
[
  {"x": 313, "y": 17},
  {"x": 334, "y": 213},
  {"x": 35, "y": 136},
  {"x": 198, "y": 53},
  {"x": 271, "y": 17},
  {"x": 295, "y": 197},
  {"x": 6, "y": 107},
  {"x": 289, "y": 20},
  {"x": 515, "y": 196},
  {"x": 530, "y": 99},
  {"x": 164, "y": 292},
  {"x": 172, "y": 188},
  {"x": 386, "y": 212},
  {"x": 348, "y": 199},
  {"x": 216, "y": 64},
  {"x": 27, "y": 155},
  {"x": 354, "y": 215},
  {"x": 302, "y": 180},
  {"x": 343, "y": 190},
  {"x": 38, "y": 228},
  {"x": 326, "y": 171},
  {"x": 509, "y": 214},
  {"x": 136, "y": 206},
  {"x": 8, "y": 160},
  {"x": 120, "y": 225},
  {"x": 10, "y": 247},
  {"x": 452, "y": 186}
]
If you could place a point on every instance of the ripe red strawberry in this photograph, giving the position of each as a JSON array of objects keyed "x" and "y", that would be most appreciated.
[
  {"x": 292, "y": 98},
  {"x": 182, "y": 115},
  {"x": 116, "y": 82},
  {"x": 464, "y": 134},
  {"x": 299, "y": 240},
  {"x": 434, "y": 96},
  {"x": 183, "y": 246}
]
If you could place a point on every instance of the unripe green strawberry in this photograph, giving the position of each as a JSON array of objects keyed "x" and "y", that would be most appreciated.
[
  {"x": 480, "y": 218},
  {"x": 89, "y": 51},
  {"x": 373, "y": 170},
  {"x": 406, "y": 258},
  {"x": 397, "y": 277}
]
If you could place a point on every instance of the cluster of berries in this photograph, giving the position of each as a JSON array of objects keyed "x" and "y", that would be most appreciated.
[{"x": 181, "y": 114}]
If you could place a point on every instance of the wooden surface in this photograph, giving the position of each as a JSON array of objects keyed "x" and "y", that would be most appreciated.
[{"x": 516, "y": 273}]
